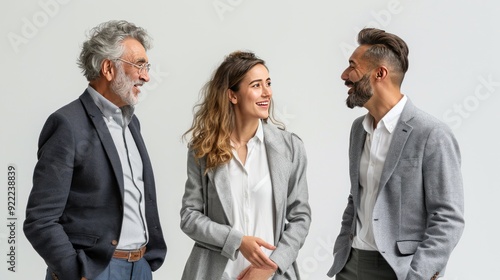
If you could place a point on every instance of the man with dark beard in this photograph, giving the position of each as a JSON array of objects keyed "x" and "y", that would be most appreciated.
[
  {"x": 92, "y": 211},
  {"x": 405, "y": 209}
]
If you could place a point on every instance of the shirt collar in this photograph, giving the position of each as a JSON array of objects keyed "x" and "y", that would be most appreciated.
[
  {"x": 258, "y": 138},
  {"x": 389, "y": 121},
  {"x": 122, "y": 115},
  {"x": 259, "y": 134}
]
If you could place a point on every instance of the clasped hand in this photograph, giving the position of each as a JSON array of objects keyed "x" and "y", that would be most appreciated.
[{"x": 262, "y": 267}]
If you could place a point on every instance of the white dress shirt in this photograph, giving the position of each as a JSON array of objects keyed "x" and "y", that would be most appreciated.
[
  {"x": 375, "y": 150},
  {"x": 252, "y": 199},
  {"x": 134, "y": 230}
]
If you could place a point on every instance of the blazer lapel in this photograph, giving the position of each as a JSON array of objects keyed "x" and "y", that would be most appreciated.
[
  {"x": 279, "y": 169},
  {"x": 96, "y": 118},
  {"x": 147, "y": 169},
  {"x": 220, "y": 179},
  {"x": 358, "y": 138},
  {"x": 401, "y": 134}
]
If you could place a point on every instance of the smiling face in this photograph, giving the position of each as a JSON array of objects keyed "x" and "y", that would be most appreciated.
[
  {"x": 360, "y": 92},
  {"x": 357, "y": 78},
  {"x": 253, "y": 98},
  {"x": 128, "y": 78}
]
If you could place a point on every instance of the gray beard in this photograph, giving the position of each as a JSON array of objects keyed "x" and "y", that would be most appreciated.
[{"x": 123, "y": 87}]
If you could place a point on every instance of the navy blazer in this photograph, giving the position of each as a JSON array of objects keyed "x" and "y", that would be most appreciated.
[{"x": 75, "y": 209}]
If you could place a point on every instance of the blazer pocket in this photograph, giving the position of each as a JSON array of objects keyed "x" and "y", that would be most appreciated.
[
  {"x": 82, "y": 241},
  {"x": 409, "y": 162},
  {"x": 408, "y": 247}
]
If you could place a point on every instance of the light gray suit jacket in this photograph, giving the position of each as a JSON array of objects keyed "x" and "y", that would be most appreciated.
[
  {"x": 418, "y": 216},
  {"x": 207, "y": 199}
]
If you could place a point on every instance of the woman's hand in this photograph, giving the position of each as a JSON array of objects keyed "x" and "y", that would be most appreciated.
[
  {"x": 252, "y": 273},
  {"x": 250, "y": 248}
]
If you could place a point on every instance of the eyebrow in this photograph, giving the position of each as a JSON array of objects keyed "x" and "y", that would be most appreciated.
[
  {"x": 140, "y": 60},
  {"x": 258, "y": 80}
]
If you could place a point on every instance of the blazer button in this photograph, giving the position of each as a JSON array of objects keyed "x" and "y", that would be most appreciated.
[
  {"x": 351, "y": 236},
  {"x": 114, "y": 242}
]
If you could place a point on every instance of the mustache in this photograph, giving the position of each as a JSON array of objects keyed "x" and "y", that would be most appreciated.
[{"x": 349, "y": 83}]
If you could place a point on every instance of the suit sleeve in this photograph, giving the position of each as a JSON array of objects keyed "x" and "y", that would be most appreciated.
[
  {"x": 194, "y": 221},
  {"x": 51, "y": 185},
  {"x": 444, "y": 201},
  {"x": 298, "y": 211},
  {"x": 347, "y": 223},
  {"x": 346, "y": 226}
]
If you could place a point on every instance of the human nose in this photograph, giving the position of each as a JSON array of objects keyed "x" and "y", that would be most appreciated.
[
  {"x": 267, "y": 91},
  {"x": 144, "y": 75},
  {"x": 345, "y": 75}
]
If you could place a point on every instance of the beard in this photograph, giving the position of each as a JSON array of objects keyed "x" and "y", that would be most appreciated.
[
  {"x": 361, "y": 92},
  {"x": 123, "y": 86}
]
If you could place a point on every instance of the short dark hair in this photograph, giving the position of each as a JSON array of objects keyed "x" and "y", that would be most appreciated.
[{"x": 385, "y": 47}]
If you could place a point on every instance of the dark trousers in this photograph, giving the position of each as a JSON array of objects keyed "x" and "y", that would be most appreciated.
[{"x": 366, "y": 265}]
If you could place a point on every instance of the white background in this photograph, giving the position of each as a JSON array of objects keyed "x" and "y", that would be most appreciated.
[{"x": 453, "y": 75}]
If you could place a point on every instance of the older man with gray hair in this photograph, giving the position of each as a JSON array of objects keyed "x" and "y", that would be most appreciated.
[{"x": 92, "y": 212}]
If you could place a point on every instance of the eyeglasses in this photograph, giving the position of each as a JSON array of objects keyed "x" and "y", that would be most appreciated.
[{"x": 144, "y": 66}]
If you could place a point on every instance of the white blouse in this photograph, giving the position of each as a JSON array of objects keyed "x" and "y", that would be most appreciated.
[{"x": 252, "y": 199}]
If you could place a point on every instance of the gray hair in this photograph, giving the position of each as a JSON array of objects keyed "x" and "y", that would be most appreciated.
[{"x": 105, "y": 42}]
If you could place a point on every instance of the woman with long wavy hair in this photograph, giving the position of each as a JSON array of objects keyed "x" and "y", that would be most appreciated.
[{"x": 246, "y": 200}]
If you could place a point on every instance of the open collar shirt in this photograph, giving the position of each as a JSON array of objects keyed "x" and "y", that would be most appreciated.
[
  {"x": 134, "y": 230},
  {"x": 252, "y": 198},
  {"x": 375, "y": 150}
]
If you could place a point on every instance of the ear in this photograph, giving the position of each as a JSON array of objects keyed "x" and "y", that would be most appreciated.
[
  {"x": 232, "y": 96},
  {"x": 107, "y": 70},
  {"x": 381, "y": 73}
]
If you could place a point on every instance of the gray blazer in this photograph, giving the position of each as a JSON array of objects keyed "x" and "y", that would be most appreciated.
[
  {"x": 207, "y": 200},
  {"x": 418, "y": 217}
]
